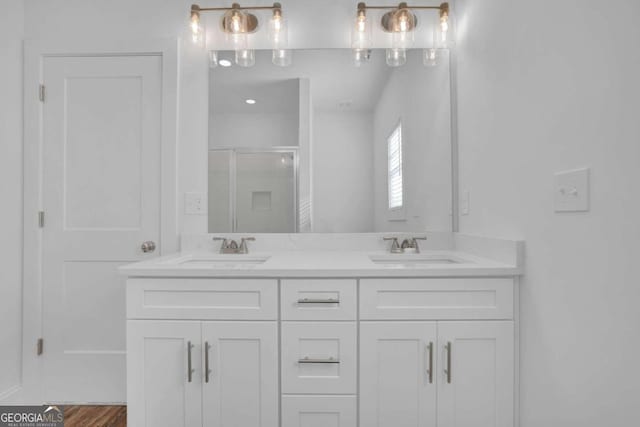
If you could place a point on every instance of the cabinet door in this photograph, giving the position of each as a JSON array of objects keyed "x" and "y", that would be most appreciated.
[
  {"x": 160, "y": 389},
  {"x": 475, "y": 381},
  {"x": 397, "y": 374},
  {"x": 241, "y": 387}
]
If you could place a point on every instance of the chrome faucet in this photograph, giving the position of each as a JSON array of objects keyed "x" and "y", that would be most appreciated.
[
  {"x": 231, "y": 246},
  {"x": 409, "y": 243},
  {"x": 395, "y": 246},
  {"x": 412, "y": 243}
]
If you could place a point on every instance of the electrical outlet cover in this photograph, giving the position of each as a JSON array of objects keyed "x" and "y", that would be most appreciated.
[{"x": 572, "y": 191}]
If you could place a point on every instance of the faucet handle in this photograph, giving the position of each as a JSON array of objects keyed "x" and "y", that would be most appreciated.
[
  {"x": 224, "y": 245},
  {"x": 244, "y": 249},
  {"x": 415, "y": 242},
  {"x": 395, "y": 246}
]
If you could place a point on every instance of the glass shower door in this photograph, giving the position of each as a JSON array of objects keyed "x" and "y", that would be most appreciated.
[{"x": 265, "y": 196}]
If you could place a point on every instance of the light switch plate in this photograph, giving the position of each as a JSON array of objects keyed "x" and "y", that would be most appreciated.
[
  {"x": 194, "y": 204},
  {"x": 572, "y": 191}
]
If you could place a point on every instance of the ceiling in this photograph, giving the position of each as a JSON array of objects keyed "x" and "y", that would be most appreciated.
[{"x": 336, "y": 83}]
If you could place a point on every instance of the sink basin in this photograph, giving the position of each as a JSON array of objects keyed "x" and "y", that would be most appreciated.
[
  {"x": 414, "y": 261},
  {"x": 217, "y": 261}
]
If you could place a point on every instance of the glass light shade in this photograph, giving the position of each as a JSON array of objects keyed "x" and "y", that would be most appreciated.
[
  {"x": 239, "y": 41},
  {"x": 403, "y": 21},
  {"x": 396, "y": 57},
  {"x": 361, "y": 56},
  {"x": 235, "y": 21},
  {"x": 443, "y": 32},
  {"x": 430, "y": 57},
  {"x": 281, "y": 57},
  {"x": 361, "y": 32},
  {"x": 197, "y": 32},
  {"x": 213, "y": 59},
  {"x": 246, "y": 57},
  {"x": 402, "y": 39},
  {"x": 278, "y": 31}
]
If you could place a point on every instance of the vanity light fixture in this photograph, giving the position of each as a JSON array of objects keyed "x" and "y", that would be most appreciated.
[
  {"x": 400, "y": 22},
  {"x": 238, "y": 23}
]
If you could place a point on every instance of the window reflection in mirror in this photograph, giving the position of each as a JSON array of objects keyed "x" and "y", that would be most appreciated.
[{"x": 333, "y": 124}]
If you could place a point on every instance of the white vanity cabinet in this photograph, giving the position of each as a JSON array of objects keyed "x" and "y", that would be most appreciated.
[
  {"x": 321, "y": 352},
  {"x": 452, "y": 365},
  {"x": 195, "y": 372}
]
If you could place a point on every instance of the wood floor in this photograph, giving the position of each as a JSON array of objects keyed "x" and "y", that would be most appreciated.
[{"x": 95, "y": 416}]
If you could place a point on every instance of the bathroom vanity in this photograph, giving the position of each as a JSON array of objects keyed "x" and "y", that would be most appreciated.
[{"x": 299, "y": 333}]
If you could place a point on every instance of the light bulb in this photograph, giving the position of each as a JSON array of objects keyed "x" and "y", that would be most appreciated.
[
  {"x": 444, "y": 39},
  {"x": 396, "y": 57},
  {"x": 197, "y": 34},
  {"x": 361, "y": 33},
  {"x": 236, "y": 23},
  {"x": 281, "y": 57},
  {"x": 402, "y": 35},
  {"x": 246, "y": 57}
]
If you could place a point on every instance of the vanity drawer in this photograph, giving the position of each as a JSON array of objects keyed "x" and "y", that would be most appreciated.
[
  {"x": 436, "y": 299},
  {"x": 319, "y": 358},
  {"x": 325, "y": 411},
  {"x": 216, "y": 299},
  {"x": 318, "y": 299}
]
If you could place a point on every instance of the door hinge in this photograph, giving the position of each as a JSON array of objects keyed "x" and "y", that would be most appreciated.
[
  {"x": 41, "y": 93},
  {"x": 41, "y": 219},
  {"x": 40, "y": 346}
]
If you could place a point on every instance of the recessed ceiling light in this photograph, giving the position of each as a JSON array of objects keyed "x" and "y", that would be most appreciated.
[
  {"x": 224, "y": 63},
  {"x": 250, "y": 101}
]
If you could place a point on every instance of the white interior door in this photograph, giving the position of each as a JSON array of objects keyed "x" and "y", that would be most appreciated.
[
  {"x": 397, "y": 374},
  {"x": 475, "y": 383},
  {"x": 101, "y": 197}
]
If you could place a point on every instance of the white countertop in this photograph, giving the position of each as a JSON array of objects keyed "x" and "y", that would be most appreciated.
[{"x": 429, "y": 263}]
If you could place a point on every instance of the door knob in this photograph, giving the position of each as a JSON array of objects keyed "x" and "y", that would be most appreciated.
[{"x": 148, "y": 246}]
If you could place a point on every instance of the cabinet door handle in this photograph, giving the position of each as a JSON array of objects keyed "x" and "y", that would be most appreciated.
[
  {"x": 310, "y": 360},
  {"x": 318, "y": 301},
  {"x": 430, "y": 362},
  {"x": 447, "y": 371},
  {"x": 190, "y": 369},
  {"x": 207, "y": 371}
]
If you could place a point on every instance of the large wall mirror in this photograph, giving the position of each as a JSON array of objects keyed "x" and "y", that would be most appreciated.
[{"x": 327, "y": 146}]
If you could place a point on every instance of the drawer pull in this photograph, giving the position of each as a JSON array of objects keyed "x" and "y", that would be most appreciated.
[
  {"x": 309, "y": 360},
  {"x": 318, "y": 301}
]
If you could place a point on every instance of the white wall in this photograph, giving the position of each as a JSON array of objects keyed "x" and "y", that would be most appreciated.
[
  {"x": 419, "y": 97},
  {"x": 253, "y": 130},
  {"x": 342, "y": 172},
  {"x": 546, "y": 86},
  {"x": 10, "y": 193}
]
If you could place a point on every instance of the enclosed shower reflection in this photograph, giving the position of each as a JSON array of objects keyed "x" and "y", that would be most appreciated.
[{"x": 253, "y": 190}]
